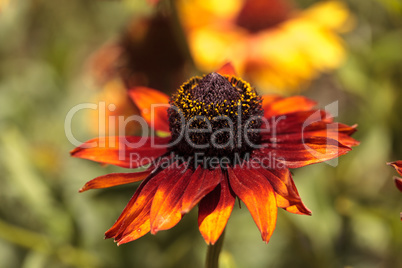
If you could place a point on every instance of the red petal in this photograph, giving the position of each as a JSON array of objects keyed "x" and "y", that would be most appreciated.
[
  {"x": 336, "y": 131},
  {"x": 298, "y": 207},
  {"x": 303, "y": 138},
  {"x": 140, "y": 222},
  {"x": 258, "y": 195},
  {"x": 166, "y": 205},
  {"x": 332, "y": 127},
  {"x": 298, "y": 152},
  {"x": 132, "y": 222},
  {"x": 288, "y": 199},
  {"x": 201, "y": 183},
  {"x": 127, "y": 152},
  {"x": 155, "y": 116},
  {"x": 268, "y": 99},
  {"x": 214, "y": 212},
  {"x": 227, "y": 69},
  {"x": 294, "y": 122},
  {"x": 398, "y": 183},
  {"x": 397, "y": 165},
  {"x": 279, "y": 183},
  {"x": 121, "y": 223},
  {"x": 139, "y": 226},
  {"x": 114, "y": 179},
  {"x": 287, "y": 105}
]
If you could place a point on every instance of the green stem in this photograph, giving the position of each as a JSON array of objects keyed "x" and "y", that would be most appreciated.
[{"x": 213, "y": 253}]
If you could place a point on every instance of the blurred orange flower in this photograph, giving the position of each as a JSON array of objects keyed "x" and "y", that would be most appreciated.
[
  {"x": 114, "y": 108},
  {"x": 270, "y": 43}
]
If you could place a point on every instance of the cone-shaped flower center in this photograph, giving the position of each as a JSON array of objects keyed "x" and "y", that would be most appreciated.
[{"x": 215, "y": 116}]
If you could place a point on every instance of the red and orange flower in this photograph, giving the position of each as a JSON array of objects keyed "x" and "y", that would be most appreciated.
[
  {"x": 398, "y": 181},
  {"x": 236, "y": 143}
]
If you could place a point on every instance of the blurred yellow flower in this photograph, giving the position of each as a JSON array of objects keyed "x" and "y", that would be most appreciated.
[
  {"x": 3, "y": 4},
  {"x": 269, "y": 42}
]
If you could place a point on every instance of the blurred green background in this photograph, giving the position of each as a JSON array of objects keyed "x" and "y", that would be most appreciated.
[{"x": 44, "y": 222}]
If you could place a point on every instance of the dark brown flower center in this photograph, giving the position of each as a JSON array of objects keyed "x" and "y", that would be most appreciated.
[{"x": 215, "y": 116}]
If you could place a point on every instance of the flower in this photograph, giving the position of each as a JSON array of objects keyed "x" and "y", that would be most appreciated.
[
  {"x": 132, "y": 59},
  {"x": 129, "y": 61},
  {"x": 271, "y": 43},
  {"x": 3, "y": 4},
  {"x": 398, "y": 181},
  {"x": 225, "y": 141}
]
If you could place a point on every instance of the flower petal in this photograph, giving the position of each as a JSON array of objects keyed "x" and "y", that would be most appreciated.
[
  {"x": 166, "y": 204},
  {"x": 287, "y": 105},
  {"x": 114, "y": 179},
  {"x": 294, "y": 122},
  {"x": 139, "y": 226},
  {"x": 268, "y": 99},
  {"x": 258, "y": 195},
  {"x": 299, "y": 152},
  {"x": 398, "y": 183},
  {"x": 305, "y": 126},
  {"x": 279, "y": 183},
  {"x": 227, "y": 69},
  {"x": 397, "y": 165},
  {"x": 127, "y": 152},
  {"x": 201, "y": 183},
  {"x": 131, "y": 224},
  {"x": 139, "y": 223},
  {"x": 297, "y": 207},
  {"x": 336, "y": 131},
  {"x": 129, "y": 213},
  {"x": 214, "y": 212},
  {"x": 153, "y": 106}
]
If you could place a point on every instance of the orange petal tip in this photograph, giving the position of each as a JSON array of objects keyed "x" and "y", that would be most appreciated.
[
  {"x": 154, "y": 230},
  {"x": 74, "y": 151},
  {"x": 395, "y": 163},
  {"x": 266, "y": 236},
  {"x": 121, "y": 242},
  {"x": 227, "y": 69}
]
